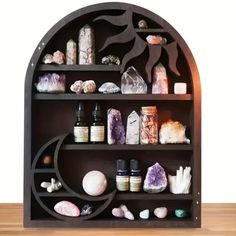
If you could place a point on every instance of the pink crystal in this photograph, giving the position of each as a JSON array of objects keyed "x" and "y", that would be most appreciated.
[
  {"x": 58, "y": 57},
  {"x": 160, "y": 80},
  {"x": 117, "y": 212},
  {"x": 155, "y": 39},
  {"x": 67, "y": 208}
]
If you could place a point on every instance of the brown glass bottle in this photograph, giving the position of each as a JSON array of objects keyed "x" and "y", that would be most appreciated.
[
  {"x": 81, "y": 129},
  {"x": 97, "y": 129}
]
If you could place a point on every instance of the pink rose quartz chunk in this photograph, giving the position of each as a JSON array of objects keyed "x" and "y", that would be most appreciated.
[
  {"x": 156, "y": 39},
  {"x": 58, "y": 57},
  {"x": 67, "y": 208}
]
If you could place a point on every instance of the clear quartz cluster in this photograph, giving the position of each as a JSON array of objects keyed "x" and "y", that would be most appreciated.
[{"x": 132, "y": 82}]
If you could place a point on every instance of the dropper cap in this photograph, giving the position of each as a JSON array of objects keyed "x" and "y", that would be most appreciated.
[
  {"x": 97, "y": 111},
  {"x": 80, "y": 112}
]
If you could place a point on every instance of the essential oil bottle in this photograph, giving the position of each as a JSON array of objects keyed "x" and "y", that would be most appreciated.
[
  {"x": 122, "y": 176},
  {"x": 81, "y": 129},
  {"x": 97, "y": 128},
  {"x": 135, "y": 176}
]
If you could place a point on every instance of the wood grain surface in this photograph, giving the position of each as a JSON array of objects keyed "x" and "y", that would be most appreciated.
[{"x": 217, "y": 219}]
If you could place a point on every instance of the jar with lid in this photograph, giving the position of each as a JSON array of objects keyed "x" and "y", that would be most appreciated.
[{"x": 148, "y": 125}]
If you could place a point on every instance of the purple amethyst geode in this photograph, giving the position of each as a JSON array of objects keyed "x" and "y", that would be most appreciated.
[
  {"x": 115, "y": 127},
  {"x": 155, "y": 181}
]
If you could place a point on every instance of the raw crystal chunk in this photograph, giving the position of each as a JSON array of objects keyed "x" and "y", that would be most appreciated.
[
  {"x": 51, "y": 83},
  {"x": 109, "y": 87},
  {"x": 180, "y": 184},
  {"x": 89, "y": 86},
  {"x": 155, "y": 180},
  {"x": 58, "y": 57},
  {"x": 77, "y": 87},
  {"x": 71, "y": 52},
  {"x": 111, "y": 60},
  {"x": 156, "y": 39},
  {"x": 86, "y": 210},
  {"x": 172, "y": 132},
  {"x": 160, "y": 81},
  {"x": 67, "y": 208},
  {"x": 115, "y": 128},
  {"x": 48, "y": 59},
  {"x": 132, "y": 130},
  {"x": 86, "y": 46},
  {"x": 132, "y": 82},
  {"x": 142, "y": 24},
  {"x": 180, "y": 213}
]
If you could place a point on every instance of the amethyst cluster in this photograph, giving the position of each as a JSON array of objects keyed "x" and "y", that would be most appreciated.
[
  {"x": 51, "y": 83},
  {"x": 115, "y": 127},
  {"x": 155, "y": 180}
]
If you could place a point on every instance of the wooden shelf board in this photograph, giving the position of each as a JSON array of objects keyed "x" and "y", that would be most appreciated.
[
  {"x": 153, "y": 196},
  {"x": 52, "y": 67},
  {"x": 144, "y": 97},
  {"x": 168, "y": 147},
  {"x": 150, "y": 30},
  {"x": 44, "y": 170}
]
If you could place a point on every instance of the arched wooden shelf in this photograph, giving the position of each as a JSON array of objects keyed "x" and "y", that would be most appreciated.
[{"x": 48, "y": 117}]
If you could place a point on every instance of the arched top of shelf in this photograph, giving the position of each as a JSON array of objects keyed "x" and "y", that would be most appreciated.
[{"x": 110, "y": 12}]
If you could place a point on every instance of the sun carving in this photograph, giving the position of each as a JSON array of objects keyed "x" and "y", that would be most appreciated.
[{"x": 139, "y": 45}]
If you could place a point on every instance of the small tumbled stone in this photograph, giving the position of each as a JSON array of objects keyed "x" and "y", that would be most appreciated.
[
  {"x": 180, "y": 213},
  {"x": 142, "y": 24},
  {"x": 117, "y": 212},
  {"x": 67, "y": 208},
  {"x": 161, "y": 212},
  {"x": 109, "y": 87},
  {"x": 47, "y": 160},
  {"x": 144, "y": 214},
  {"x": 86, "y": 210}
]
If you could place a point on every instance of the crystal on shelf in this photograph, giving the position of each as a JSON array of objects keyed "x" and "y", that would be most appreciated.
[
  {"x": 109, "y": 87},
  {"x": 132, "y": 129},
  {"x": 180, "y": 184},
  {"x": 180, "y": 88},
  {"x": 51, "y": 83},
  {"x": 155, "y": 180},
  {"x": 160, "y": 80},
  {"x": 71, "y": 52},
  {"x": 67, "y": 208},
  {"x": 115, "y": 127},
  {"x": 132, "y": 82},
  {"x": 156, "y": 39},
  {"x": 142, "y": 24},
  {"x": 48, "y": 59},
  {"x": 58, "y": 57},
  {"x": 86, "y": 46},
  {"x": 173, "y": 132},
  {"x": 111, "y": 60}
]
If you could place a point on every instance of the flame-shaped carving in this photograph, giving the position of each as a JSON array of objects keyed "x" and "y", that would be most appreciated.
[{"x": 139, "y": 44}]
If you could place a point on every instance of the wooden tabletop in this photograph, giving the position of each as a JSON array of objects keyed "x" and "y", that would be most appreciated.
[{"x": 217, "y": 219}]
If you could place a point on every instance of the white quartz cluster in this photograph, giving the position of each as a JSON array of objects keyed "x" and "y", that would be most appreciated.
[{"x": 180, "y": 184}]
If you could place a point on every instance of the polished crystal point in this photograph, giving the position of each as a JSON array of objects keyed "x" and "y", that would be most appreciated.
[
  {"x": 115, "y": 127},
  {"x": 71, "y": 52},
  {"x": 86, "y": 46},
  {"x": 132, "y": 82},
  {"x": 160, "y": 80},
  {"x": 132, "y": 130},
  {"x": 155, "y": 180}
]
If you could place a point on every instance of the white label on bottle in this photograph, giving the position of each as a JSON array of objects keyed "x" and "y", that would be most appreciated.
[
  {"x": 81, "y": 134},
  {"x": 97, "y": 133}
]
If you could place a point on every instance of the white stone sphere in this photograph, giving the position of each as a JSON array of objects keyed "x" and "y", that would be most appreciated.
[{"x": 94, "y": 183}]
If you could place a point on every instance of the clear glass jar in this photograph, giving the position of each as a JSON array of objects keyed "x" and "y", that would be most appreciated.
[{"x": 148, "y": 125}]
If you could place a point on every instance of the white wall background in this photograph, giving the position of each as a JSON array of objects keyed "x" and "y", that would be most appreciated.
[{"x": 208, "y": 28}]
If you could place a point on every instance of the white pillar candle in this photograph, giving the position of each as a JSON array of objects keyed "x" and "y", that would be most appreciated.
[{"x": 180, "y": 88}]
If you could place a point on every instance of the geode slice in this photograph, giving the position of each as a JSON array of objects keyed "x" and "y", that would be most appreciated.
[
  {"x": 115, "y": 127},
  {"x": 86, "y": 46},
  {"x": 155, "y": 181},
  {"x": 132, "y": 82}
]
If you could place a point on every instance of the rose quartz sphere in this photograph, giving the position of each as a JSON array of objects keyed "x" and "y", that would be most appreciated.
[{"x": 94, "y": 183}]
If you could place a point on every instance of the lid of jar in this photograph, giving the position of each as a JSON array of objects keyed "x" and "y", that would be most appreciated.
[
  {"x": 149, "y": 109},
  {"x": 134, "y": 165}
]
